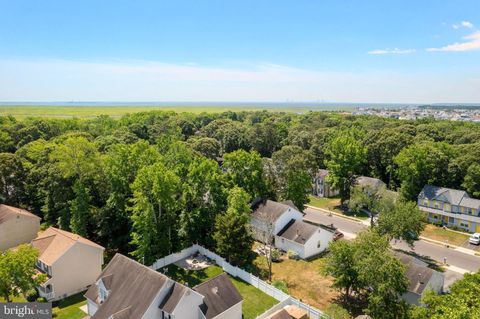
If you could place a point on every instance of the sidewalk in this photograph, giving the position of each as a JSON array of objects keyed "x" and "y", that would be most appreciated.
[{"x": 367, "y": 223}]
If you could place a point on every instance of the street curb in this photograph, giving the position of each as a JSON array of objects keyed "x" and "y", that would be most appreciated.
[
  {"x": 433, "y": 241},
  {"x": 454, "y": 247},
  {"x": 335, "y": 213}
]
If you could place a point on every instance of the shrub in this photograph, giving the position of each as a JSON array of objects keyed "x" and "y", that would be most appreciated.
[
  {"x": 276, "y": 255},
  {"x": 292, "y": 255},
  {"x": 280, "y": 285},
  {"x": 31, "y": 295}
]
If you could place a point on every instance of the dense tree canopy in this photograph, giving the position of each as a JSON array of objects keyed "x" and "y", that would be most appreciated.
[{"x": 108, "y": 179}]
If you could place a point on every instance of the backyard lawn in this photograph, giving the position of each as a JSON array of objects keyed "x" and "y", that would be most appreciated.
[
  {"x": 255, "y": 302},
  {"x": 444, "y": 235},
  {"x": 333, "y": 204},
  {"x": 69, "y": 308}
]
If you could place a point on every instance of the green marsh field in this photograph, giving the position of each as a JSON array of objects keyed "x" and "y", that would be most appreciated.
[{"x": 115, "y": 111}]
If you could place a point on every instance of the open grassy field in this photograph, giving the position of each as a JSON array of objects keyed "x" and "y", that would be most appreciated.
[{"x": 89, "y": 111}]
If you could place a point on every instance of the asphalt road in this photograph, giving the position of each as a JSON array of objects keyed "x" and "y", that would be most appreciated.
[{"x": 459, "y": 260}]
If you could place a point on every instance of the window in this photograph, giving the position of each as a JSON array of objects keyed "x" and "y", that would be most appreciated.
[
  {"x": 318, "y": 244},
  {"x": 425, "y": 202},
  {"x": 283, "y": 240},
  {"x": 451, "y": 220},
  {"x": 464, "y": 224},
  {"x": 102, "y": 294}
]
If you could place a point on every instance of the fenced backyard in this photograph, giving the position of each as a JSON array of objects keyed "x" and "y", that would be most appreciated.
[{"x": 283, "y": 298}]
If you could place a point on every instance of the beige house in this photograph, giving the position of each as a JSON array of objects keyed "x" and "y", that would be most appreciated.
[
  {"x": 17, "y": 226},
  {"x": 71, "y": 262}
]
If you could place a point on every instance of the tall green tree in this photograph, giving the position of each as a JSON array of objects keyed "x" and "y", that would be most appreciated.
[
  {"x": 121, "y": 165},
  {"x": 294, "y": 168},
  {"x": 365, "y": 269},
  {"x": 471, "y": 182},
  {"x": 80, "y": 209},
  {"x": 405, "y": 221},
  {"x": 422, "y": 164},
  {"x": 346, "y": 157},
  {"x": 232, "y": 229},
  {"x": 205, "y": 196},
  {"x": 17, "y": 272},
  {"x": 156, "y": 205},
  {"x": 245, "y": 169}
]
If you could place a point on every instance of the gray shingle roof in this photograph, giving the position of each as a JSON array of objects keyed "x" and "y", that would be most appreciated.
[
  {"x": 220, "y": 295},
  {"x": 133, "y": 286},
  {"x": 417, "y": 272},
  {"x": 450, "y": 196},
  {"x": 298, "y": 231},
  {"x": 370, "y": 182},
  {"x": 274, "y": 209},
  {"x": 173, "y": 297}
]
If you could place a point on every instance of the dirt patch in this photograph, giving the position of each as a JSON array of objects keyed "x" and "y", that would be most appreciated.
[{"x": 304, "y": 280}]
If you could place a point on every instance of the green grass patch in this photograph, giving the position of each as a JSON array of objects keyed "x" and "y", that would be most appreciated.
[
  {"x": 69, "y": 308},
  {"x": 444, "y": 235},
  {"x": 255, "y": 302},
  {"x": 14, "y": 299},
  {"x": 333, "y": 204}
]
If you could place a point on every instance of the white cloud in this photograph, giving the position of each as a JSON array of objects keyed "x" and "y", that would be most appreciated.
[
  {"x": 392, "y": 51},
  {"x": 463, "y": 24},
  {"x": 128, "y": 81},
  {"x": 472, "y": 43}
]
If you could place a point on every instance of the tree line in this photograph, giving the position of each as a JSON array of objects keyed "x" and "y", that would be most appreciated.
[{"x": 148, "y": 184}]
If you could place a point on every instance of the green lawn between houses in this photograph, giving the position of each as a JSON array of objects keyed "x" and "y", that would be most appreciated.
[
  {"x": 69, "y": 308},
  {"x": 333, "y": 204},
  {"x": 255, "y": 302}
]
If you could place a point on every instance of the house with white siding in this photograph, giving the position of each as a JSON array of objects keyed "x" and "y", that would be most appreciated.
[
  {"x": 284, "y": 222},
  {"x": 127, "y": 289}
]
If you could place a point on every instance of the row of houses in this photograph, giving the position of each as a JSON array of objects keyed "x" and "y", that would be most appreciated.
[
  {"x": 445, "y": 206},
  {"x": 124, "y": 289}
]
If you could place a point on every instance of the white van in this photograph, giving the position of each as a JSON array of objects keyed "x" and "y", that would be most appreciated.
[{"x": 474, "y": 239}]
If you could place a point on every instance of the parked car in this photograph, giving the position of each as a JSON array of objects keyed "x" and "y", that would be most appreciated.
[
  {"x": 337, "y": 235},
  {"x": 474, "y": 239}
]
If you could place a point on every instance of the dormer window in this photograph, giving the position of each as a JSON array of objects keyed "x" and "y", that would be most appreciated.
[{"x": 102, "y": 294}]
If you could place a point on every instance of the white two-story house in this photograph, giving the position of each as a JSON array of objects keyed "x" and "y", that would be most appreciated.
[
  {"x": 285, "y": 224},
  {"x": 450, "y": 207},
  {"x": 71, "y": 262},
  {"x": 127, "y": 289}
]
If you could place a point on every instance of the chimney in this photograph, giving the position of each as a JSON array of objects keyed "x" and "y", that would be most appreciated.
[{"x": 215, "y": 290}]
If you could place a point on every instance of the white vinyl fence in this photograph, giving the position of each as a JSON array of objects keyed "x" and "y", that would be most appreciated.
[{"x": 279, "y": 295}]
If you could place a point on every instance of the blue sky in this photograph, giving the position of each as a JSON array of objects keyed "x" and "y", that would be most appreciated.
[{"x": 278, "y": 50}]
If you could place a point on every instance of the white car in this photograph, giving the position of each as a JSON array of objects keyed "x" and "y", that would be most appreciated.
[{"x": 474, "y": 239}]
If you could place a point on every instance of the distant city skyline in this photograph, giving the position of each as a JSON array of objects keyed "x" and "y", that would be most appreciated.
[{"x": 406, "y": 52}]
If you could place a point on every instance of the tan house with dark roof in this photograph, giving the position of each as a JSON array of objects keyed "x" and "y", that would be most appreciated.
[
  {"x": 17, "y": 226},
  {"x": 71, "y": 262},
  {"x": 128, "y": 289}
]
